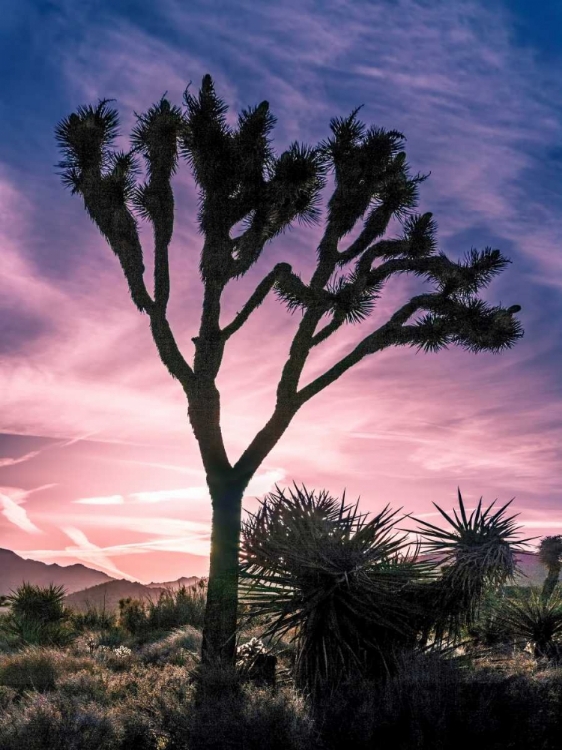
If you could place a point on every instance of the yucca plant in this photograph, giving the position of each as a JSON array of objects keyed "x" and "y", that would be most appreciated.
[
  {"x": 490, "y": 630},
  {"x": 38, "y": 615},
  {"x": 330, "y": 579},
  {"x": 355, "y": 593},
  {"x": 536, "y": 620},
  {"x": 476, "y": 554}
]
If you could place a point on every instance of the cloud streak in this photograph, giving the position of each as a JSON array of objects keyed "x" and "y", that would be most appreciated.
[{"x": 12, "y": 499}]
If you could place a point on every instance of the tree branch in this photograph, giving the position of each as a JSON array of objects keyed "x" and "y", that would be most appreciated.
[
  {"x": 330, "y": 328},
  {"x": 265, "y": 440},
  {"x": 116, "y": 223},
  {"x": 302, "y": 341},
  {"x": 169, "y": 351},
  {"x": 388, "y": 334},
  {"x": 163, "y": 220},
  {"x": 375, "y": 226},
  {"x": 259, "y": 295}
]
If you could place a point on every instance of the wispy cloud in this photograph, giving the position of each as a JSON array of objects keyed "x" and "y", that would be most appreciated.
[
  {"x": 107, "y": 500},
  {"x": 183, "y": 493},
  {"x": 4, "y": 462},
  {"x": 13, "y": 461},
  {"x": 17, "y": 515},
  {"x": 12, "y": 499},
  {"x": 88, "y": 552},
  {"x": 98, "y": 556}
]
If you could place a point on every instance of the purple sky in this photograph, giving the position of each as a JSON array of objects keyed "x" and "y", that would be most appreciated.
[{"x": 97, "y": 460}]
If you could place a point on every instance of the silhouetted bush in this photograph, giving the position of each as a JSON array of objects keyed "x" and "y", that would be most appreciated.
[
  {"x": 353, "y": 592},
  {"x": 429, "y": 704},
  {"x": 38, "y": 616},
  {"x": 538, "y": 620},
  {"x": 94, "y": 618},
  {"x": 174, "y": 609}
]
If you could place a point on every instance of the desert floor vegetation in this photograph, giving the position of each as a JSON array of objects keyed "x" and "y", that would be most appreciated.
[{"x": 440, "y": 649}]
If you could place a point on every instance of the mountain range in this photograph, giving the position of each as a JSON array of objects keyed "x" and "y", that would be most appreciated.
[
  {"x": 14, "y": 570},
  {"x": 86, "y": 587}
]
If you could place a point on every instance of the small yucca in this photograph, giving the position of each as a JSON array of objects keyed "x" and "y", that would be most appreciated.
[
  {"x": 38, "y": 615},
  {"x": 536, "y": 620}
]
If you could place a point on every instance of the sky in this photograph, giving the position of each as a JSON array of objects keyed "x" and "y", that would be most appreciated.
[{"x": 98, "y": 463}]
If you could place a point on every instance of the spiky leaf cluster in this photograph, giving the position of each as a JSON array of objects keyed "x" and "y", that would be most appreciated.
[
  {"x": 323, "y": 573},
  {"x": 238, "y": 173},
  {"x": 92, "y": 168},
  {"x": 537, "y": 620},
  {"x": 476, "y": 552},
  {"x": 370, "y": 170},
  {"x": 353, "y": 296},
  {"x": 420, "y": 232},
  {"x": 85, "y": 138},
  {"x": 156, "y": 135},
  {"x": 470, "y": 323}
]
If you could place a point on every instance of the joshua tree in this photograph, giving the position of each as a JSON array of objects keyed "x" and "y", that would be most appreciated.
[
  {"x": 240, "y": 178},
  {"x": 550, "y": 555}
]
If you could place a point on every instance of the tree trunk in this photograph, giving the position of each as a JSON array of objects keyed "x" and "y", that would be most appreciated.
[
  {"x": 550, "y": 582},
  {"x": 219, "y": 631}
]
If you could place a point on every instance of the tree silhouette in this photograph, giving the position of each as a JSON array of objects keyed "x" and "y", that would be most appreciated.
[
  {"x": 241, "y": 179},
  {"x": 550, "y": 555}
]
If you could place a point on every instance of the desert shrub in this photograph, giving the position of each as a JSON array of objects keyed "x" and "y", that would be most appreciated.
[
  {"x": 94, "y": 618},
  {"x": 538, "y": 620},
  {"x": 89, "y": 685},
  {"x": 491, "y": 629},
  {"x": 136, "y": 731},
  {"x": 429, "y": 703},
  {"x": 110, "y": 688},
  {"x": 7, "y": 696},
  {"x": 38, "y": 668},
  {"x": 57, "y": 722},
  {"x": 174, "y": 609},
  {"x": 38, "y": 616},
  {"x": 120, "y": 659},
  {"x": 132, "y": 615},
  {"x": 180, "y": 646},
  {"x": 41, "y": 604},
  {"x": 221, "y": 712},
  {"x": 113, "y": 637}
]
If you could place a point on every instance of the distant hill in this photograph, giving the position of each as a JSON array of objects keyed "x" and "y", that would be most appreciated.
[
  {"x": 14, "y": 570},
  {"x": 113, "y": 591},
  {"x": 174, "y": 585},
  {"x": 109, "y": 594}
]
